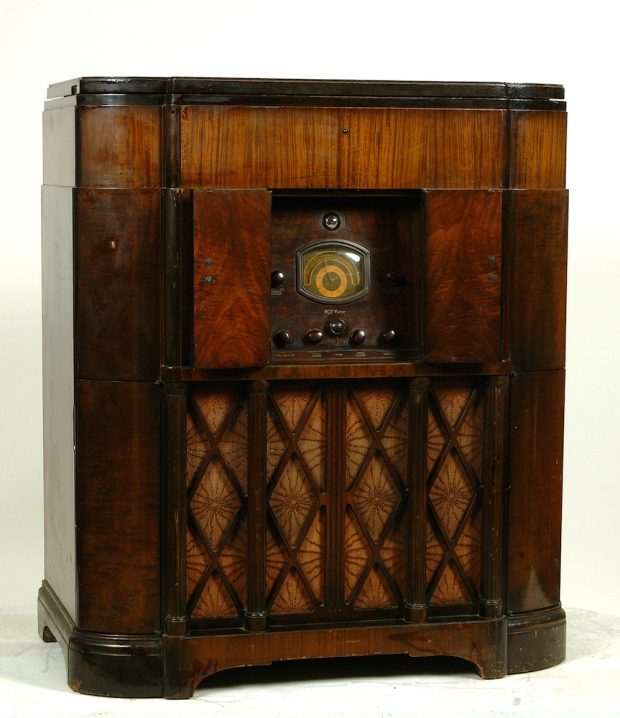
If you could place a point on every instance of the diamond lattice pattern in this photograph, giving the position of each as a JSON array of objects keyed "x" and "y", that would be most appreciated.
[
  {"x": 217, "y": 426},
  {"x": 454, "y": 453},
  {"x": 376, "y": 465},
  {"x": 296, "y": 438}
]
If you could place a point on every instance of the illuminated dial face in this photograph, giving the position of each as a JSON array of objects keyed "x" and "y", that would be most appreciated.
[{"x": 333, "y": 272}]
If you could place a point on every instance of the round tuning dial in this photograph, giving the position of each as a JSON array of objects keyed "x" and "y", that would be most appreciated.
[
  {"x": 336, "y": 326},
  {"x": 358, "y": 337},
  {"x": 387, "y": 337},
  {"x": 314, "y": 336},
  {"x": 282, "y": 338}
]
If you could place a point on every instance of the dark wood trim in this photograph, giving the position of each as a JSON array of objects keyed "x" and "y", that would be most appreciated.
[
  {"x": 172, "y": 312},
  {"x": 334, "y": 371},
  {"x": 174, "y": 509},
  {"x": 415, "y": 602},
  {"x": 336, "y": 409},
  {"x": 536, "y": 640},
  {"x": 171, "y": 145},
  {"x": 256, "y": 87},
  {"x": 494, "y": 443},
  {"x": 256, "y": 613},
  {"x": 483, "y": 643}
]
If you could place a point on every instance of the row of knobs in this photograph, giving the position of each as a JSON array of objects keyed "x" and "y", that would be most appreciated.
[{"x": 283, "y": 337}]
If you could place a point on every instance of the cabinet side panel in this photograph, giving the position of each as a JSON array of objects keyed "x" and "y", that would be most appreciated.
[
  {"x": 535, "y": 495},
  {"x": 59, "y": 147},
  {"x": 118, "y": 291},
  {"x": 120, "y": 146},
  {"x": 118, "y": 506},
  {"x": 232, "y": 258},
  {"x": 538, "y": 150},
  {"x": 538, "y": 288},
  {"x": 463, "y": 276},
  {"x": 58, "y": 398}
]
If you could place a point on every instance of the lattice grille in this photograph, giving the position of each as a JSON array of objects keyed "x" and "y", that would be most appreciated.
[
  {"x": 217, "y": 439},
  {"x": 296, "y": 441},
  {"x": 454, "y": 464},
  {"x": 376, "y": 463}
]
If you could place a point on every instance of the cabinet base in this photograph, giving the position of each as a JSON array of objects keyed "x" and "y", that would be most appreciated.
[{"x": 150, "y": 666}]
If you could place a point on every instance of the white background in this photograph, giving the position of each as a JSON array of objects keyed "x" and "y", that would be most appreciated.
[{"x": 574, "y": 44}]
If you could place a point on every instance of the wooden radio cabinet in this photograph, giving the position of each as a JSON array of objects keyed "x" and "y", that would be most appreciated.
[{"x": 303, "y": 375}]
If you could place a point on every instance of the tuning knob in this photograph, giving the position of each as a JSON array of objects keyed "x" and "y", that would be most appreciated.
[
  {"x": 314, "y": 336},
  {"x": 358, "y": 337},
  {"x": 282, "y": 338},
  {"x": 395, "y": 279},
  {"x": 387, "y": 337},
  {"x": 276, "y": 279},
  {"x": 336, "y": 326}
]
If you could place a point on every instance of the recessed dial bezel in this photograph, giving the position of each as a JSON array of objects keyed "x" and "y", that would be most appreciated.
[{"x": 334, "y": 245}]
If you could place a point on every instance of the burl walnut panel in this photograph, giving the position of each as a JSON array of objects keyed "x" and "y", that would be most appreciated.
[
  {"x": 463, "y": 276},
  {"x": 340, "y": 148},
  {"x": 232, "y": 247}
]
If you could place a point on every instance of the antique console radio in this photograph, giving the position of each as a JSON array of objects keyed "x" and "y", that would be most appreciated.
[{"x": 303, "y": 375}]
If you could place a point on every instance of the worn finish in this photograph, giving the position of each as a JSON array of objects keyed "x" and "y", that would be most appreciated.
[
  {"x": 118, "y": 506},
  {"x": 59, "y": 147},
  {"x": 538, "y": 154},
  {"x": 231, "y": 279},
  {"x": 538, "y": 226},
  {"x": 463, "y": 274},
  {"x": 318, "y": 330},
  {"x": 118, "y": 305},
  {"x": 535, "y": 497},
  {"x": 58, "y": 400},
  {"x": 119, "y": 147}
]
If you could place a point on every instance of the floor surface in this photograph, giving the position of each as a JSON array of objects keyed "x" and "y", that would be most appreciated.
[{"x": 33, "y": 683}]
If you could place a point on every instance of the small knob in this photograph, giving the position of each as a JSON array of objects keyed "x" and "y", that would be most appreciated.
[
  {"x": 336, "y": 326},
  {"x": 314, "y": 336},
  {"x": 276, "y": 279},
  {"x": 387, "y": 337},
  {"x": 282, "y": 338},
  {"x": 358, "y": 337},
  {"x": 395, "y": 279}
]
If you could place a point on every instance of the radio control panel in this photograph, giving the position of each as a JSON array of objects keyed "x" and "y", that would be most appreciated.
[{"x": 346, "y": 278}]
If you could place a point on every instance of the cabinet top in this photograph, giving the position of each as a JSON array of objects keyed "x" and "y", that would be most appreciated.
[{"x": 155, "y": 90}]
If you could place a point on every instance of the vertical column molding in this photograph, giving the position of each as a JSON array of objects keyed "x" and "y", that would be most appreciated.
[
  {"x": 175, "y": 514},
  {"x": 495, "y": 416},
  {"x": 336, "y": 406},
  {"x": 415, "y": 600},
  {"x": 256, "y": 613}
]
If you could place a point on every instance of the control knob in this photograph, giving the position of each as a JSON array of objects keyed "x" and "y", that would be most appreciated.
[
  {"x": 387, "y": 337},
  {"x": 336, "y": 326},
  {"x": 358, "y": 336},
  {"x": 314, "y": 336},
  {"x": 282, "y": 338}
]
